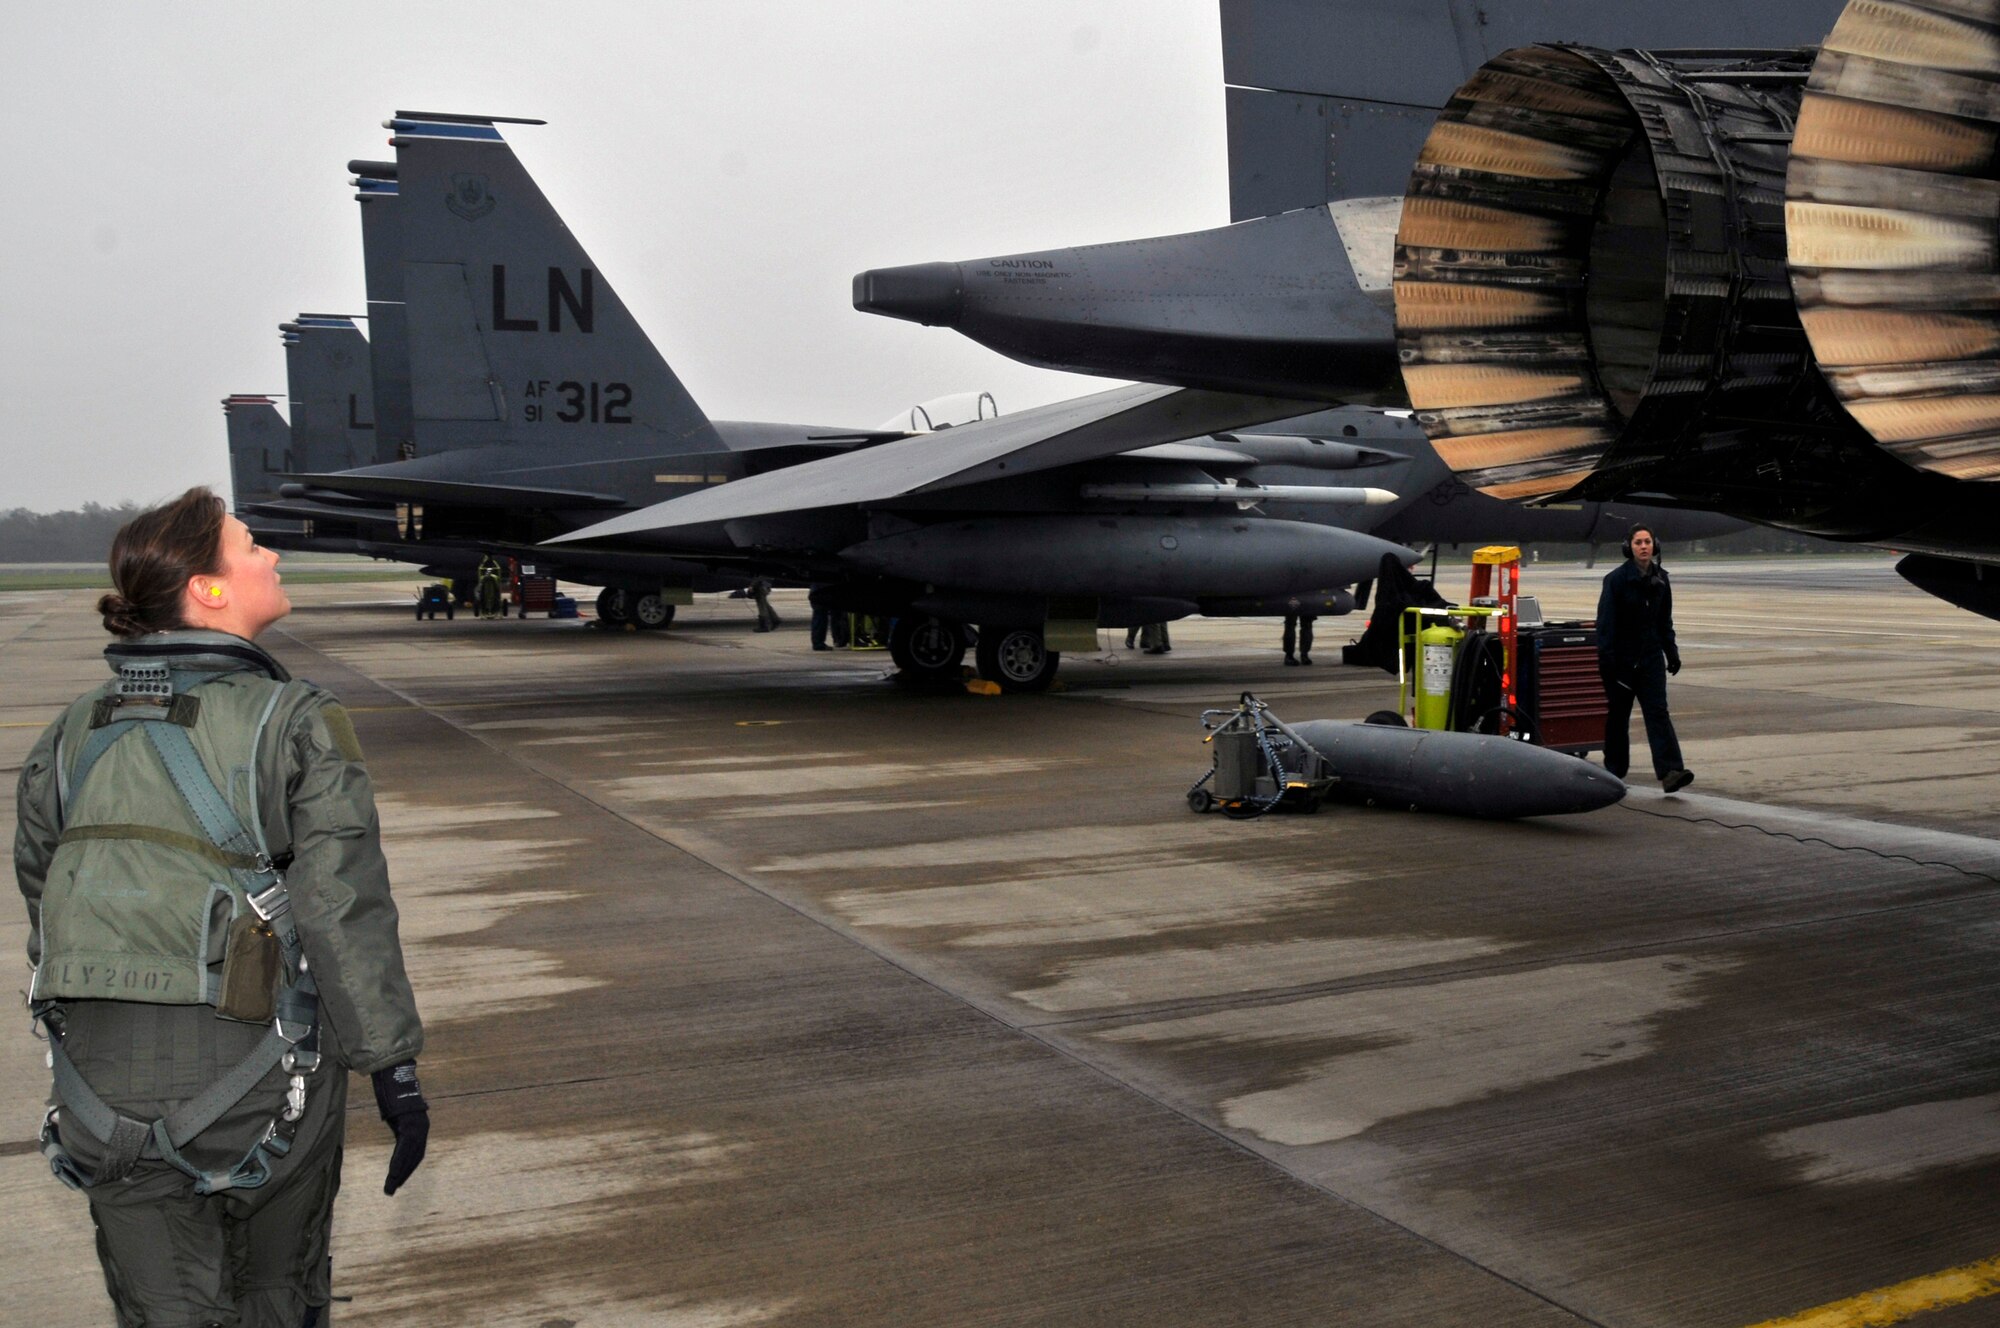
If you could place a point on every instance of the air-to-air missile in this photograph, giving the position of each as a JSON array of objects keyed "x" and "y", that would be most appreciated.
[{"x": 1119, "y": 556}]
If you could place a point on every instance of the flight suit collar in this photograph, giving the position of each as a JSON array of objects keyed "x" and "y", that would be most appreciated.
[{"x": 196, "y": 651}]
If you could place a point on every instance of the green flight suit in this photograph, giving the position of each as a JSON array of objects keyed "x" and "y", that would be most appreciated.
[{"x": 173, "y": 1259}]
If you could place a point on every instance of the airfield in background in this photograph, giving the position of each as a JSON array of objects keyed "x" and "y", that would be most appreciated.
[{"x": 760, "y": 991}]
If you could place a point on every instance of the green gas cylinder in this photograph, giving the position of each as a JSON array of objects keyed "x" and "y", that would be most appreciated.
[{"x": 1437, "y": 657}]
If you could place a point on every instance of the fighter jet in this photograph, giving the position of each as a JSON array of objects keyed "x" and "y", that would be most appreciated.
[
  {"x": 536, "y": 404},
  {"x": 1746, "y": 273}
]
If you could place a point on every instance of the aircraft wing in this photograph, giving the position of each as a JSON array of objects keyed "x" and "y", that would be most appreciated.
[{"x": 1081, "y": 429}]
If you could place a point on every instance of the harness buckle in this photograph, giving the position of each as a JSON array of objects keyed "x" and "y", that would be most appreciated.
[
  {"x": 295, "y": 1098},
  {"x": 300, "y": 1061},
  {"x": 272, "y": 901}
]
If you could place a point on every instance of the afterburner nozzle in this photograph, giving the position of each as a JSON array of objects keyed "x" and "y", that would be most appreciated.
[{"x": 929, "y": 293}]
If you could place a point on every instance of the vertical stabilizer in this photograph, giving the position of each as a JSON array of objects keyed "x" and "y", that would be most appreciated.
[
  {"x": 515, "y": 336},
  {"x": 259, "y": 446},
  {"x": 332, "y": 402},
  {"x": 388, "y": 333}
]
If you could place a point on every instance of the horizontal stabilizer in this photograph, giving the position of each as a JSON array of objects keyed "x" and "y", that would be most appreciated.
[
  {"x": 1970, "y": 585},
  {"x": 406, "y": 489},
  {"x": 1082, "y": 429}
]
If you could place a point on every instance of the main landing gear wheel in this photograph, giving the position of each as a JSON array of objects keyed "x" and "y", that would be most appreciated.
[
  {"x": 651, "y": 612},
  {"x": 1017, "y": 658},
  {"x": 614, "y": 606},
  {"x": 927, "y": 649}
]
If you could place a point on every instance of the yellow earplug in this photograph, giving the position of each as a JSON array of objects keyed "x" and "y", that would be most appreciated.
[{"x": 215, "y": 591}]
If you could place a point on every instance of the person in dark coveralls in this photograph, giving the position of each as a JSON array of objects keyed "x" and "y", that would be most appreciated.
[
  {"x": 1636, "y": 651},
  {"x": 1298, "y": 631},
  {"x": 214, "y": 941}
]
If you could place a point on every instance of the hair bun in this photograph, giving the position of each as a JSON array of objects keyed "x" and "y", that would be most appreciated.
[{"x": 121, "y": 616}]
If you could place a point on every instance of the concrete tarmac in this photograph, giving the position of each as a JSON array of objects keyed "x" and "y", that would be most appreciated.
[{"x": 760, "y": 991}]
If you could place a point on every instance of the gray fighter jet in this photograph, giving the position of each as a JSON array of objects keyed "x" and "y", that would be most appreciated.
[
  {"x": 536, "y": 404},
  {"x": 1748, "y": 272}
]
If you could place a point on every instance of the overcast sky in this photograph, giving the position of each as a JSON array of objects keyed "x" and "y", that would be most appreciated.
[{"x": 178, "y": 188}]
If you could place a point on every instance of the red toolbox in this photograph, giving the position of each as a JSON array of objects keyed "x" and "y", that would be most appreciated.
[{"x": 1560, "y": 691}]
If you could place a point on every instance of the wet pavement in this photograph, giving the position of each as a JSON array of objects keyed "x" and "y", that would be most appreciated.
[{"x": 761, "y": 991}]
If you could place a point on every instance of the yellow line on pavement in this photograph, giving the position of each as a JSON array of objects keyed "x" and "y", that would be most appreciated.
[{"x": 1905, "y": 1300}]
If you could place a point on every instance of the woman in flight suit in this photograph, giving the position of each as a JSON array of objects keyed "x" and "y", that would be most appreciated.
[{"x": 230, "y": 1226}]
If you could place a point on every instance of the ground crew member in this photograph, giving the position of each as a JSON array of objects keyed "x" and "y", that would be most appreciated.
[
  {"x": 486, "y": 595},
  {"x": 1299, "y": 632},
  {"x": 213, "y": 939},
  {"x": 1636, "y": 651},
  {"x": 767, "y": 617}
]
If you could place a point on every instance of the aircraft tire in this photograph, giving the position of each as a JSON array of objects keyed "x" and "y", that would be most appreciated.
[
  {"x": 1017, "y": 658},
  {"x": 1388, "y": 717},
  {"x": 614, "y": 606},
  {"x": 651, "y": 612},
  {"x": 926, "y": 648}
]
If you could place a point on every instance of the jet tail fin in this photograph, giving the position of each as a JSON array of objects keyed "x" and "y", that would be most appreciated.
[
  {"x": 259, "y": 446},
  {"x": 375, "y": 190},
  {"x": 515, "y": 336},
  {"x": 332, "y": 393}
]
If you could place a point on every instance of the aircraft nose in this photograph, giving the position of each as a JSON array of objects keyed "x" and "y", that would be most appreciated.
[{"x": 929, "y": 293}]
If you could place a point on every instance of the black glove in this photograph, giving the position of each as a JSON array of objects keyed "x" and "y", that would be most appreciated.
[
  {"x": 400, "y": 1099},
  {"x": 1608, "y": 673},
  {"x": 1674, "y": 662}
]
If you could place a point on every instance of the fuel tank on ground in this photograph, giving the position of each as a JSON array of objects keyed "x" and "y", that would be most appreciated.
[
  {"x": 1461, "y": 774},
  {"x": 1272, "y": 306},
  {"x": 1172, "y": 557}
]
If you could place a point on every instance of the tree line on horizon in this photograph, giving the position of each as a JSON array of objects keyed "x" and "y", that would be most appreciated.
[{"x": 80, "y": 536}]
